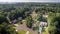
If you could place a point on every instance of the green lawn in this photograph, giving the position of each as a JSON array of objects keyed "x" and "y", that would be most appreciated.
[
  {"x": 30, "y": 33},
  {"x": 45, "y": 31},
  {"x": 23, "y": 32}
]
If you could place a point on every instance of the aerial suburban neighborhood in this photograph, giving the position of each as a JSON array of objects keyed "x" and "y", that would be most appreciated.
[{"x": 29, "y": 18}]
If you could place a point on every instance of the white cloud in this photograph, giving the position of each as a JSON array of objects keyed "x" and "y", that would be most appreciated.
[
  {"x": 8, "y": 0},
  {"x": 29, "y": 0}
]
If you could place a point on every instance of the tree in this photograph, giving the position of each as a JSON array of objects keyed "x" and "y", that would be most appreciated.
[
  {"x": 5, "y": 26},
  {"x": 7, "y": 29},
  {"x": 29, "y": 21},
  {"x": 54, "y": 23}
]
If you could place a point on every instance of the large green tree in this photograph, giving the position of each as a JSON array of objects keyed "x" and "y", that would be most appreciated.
[
  {"x": 54, "y": 23},
  {"x": 5, "y": 26},
  {"x": 7, "y": 29},
  {"x": 29, "y": 21}
]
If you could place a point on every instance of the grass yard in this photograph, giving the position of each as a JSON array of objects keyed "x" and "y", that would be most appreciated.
[
  {"x": 30, "y": 33},
  {"x": 45, "y": 31},
  {"x": 23, "y": 32}
]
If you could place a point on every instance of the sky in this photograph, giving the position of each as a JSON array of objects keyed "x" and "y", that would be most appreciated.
[{"x": 30, "y": 1}]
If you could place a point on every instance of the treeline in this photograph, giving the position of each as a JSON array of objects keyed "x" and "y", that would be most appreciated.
[
  {"x": 32, "y": 4},
  {"x": 54, "y": 23},
  {"x": 19, "y": 10}
]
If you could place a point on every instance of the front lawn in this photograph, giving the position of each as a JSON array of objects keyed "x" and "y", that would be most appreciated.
[
  {"x": 23, "y": 32},
  {"x": 30, "y": 32},
  {"x": 45, "y": 31}
]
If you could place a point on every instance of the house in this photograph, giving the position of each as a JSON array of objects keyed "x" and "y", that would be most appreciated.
[
  {"x": 14, "y": 21},
  {"x": 41, "y": 26}
]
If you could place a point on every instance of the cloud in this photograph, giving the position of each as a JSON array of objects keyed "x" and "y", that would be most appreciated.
[{"x": 29, "y": 0}]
